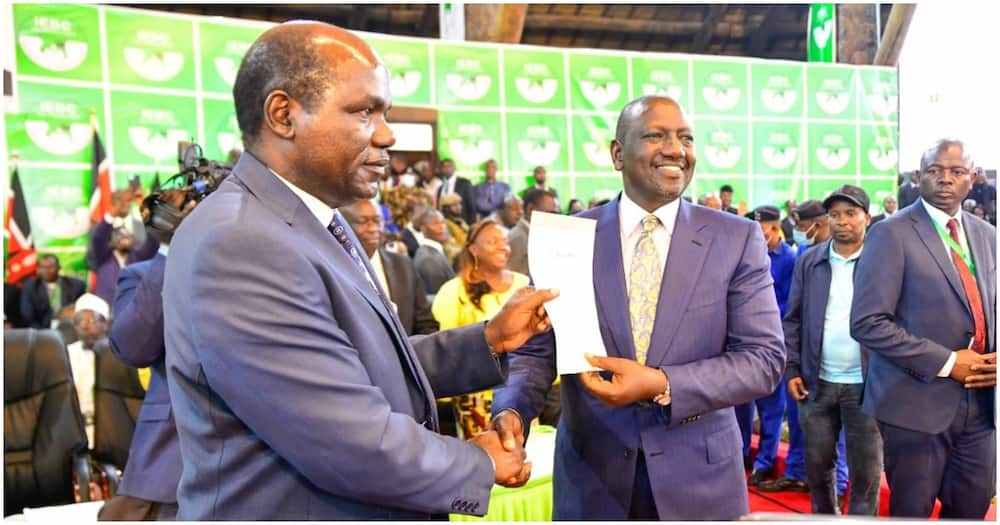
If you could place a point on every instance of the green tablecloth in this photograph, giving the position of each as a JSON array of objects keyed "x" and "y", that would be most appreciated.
[{"x": 533, "y": 501}]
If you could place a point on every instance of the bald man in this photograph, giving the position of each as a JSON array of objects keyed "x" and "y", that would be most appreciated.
[{"x": 296, "y": 393}]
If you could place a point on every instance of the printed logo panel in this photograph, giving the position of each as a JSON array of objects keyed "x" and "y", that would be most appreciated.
[
  {"x": 592, "y": 136},
  {"x": 222, "y": 131},
  {"x": 150, "y": 50},
  {"x": 720, "y": 88},
  {"x": 662, "y": 76},
  {"x": 57, "y": 205},
  {"x": 832, "y": 92},
  {"x": 879, "y": 95},
  {"x": 537, "y": 140},
  {"x": 467, "y": 76},
  {"x": 879, "y": 150},
  {"x": 147, "y": 129},
  {"x": 778, "y": 90},
  {"x": 534, "y": 79},
  {"x": 721, "y": 146},
  {"x": 222, "y": 49},
  {"x": 778, "y": 148},
  {"x": 470, "y": 138},
  {"x": 408, "y": 62},
  {"x": 58, "y": 41},
  {"x": 832, "y": 149},
  {"x": 54, "y": 123},
  {"x": 598, "y": 82}
]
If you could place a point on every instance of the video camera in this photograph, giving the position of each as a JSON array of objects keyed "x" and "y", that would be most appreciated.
[{"x": 198, "y": 178}]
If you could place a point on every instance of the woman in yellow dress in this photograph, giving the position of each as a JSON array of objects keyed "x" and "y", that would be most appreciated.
[{"x": 476, "y": 294}]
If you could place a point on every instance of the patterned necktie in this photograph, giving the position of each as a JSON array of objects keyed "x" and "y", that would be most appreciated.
[
  {"x": 644, "y": 287},
  {"x": 339, "y": 231},
  {"x": 971, "y": 291}
]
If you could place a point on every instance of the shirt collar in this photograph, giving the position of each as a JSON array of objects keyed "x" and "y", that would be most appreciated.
[
  {"x": 941, "y": 217},
  {"x": 834, "y": 256},
  {"x": 319, "y": 209},
  {"x": 631, "y": 214},
  {"x": 423, "y": 240},
  {"x": 163, "y": 249},
  {"x": 376, "y": 260}
]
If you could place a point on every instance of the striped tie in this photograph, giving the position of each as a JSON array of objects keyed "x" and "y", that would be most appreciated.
[{"x": 644, "y": 287}]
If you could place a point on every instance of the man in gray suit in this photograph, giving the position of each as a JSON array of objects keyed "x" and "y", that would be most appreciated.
[
  {"x": 295, "y": 390},
  {"x": 534, "y": 199},
  {"x": 925, "y": 305},
  {"x": 430, "y": 260}
]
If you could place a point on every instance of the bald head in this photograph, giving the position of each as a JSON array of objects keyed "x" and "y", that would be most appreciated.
[
  {"x": 303, "y": 59},
  {"x": 635, "y": 109}
]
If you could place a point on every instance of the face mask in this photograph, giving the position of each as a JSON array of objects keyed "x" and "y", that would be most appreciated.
[
  {"x": 408, "y": 180},
  {"x": 801, "y": 238}
]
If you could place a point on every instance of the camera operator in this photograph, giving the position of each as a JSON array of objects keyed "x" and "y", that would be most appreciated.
[
  {"x": 112, "y": 246},
  {"x": 148, "y": 491}
]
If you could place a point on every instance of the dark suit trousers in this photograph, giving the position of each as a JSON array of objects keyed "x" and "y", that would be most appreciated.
[
  {"x": 643, "y": 507},
  {"x": 957, "y": 466}
]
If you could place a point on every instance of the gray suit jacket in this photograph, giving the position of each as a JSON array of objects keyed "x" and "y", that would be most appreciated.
[
  {"x": 910, "y": 310},
  {"x": 407, "y": 292},
  {"x": 296, "y": 394},
  {"x": 518, "y": 241},
  {"x": 433, "y": 268}
]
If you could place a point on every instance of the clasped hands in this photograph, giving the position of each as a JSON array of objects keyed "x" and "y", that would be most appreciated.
[{"x": 975, "y": 370}]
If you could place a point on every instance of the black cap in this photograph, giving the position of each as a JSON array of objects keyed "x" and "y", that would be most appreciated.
[
  {"x": 849, "y": 193},
  {"x": 810, "y": 210},
  {"x": 765, "y": 213}
]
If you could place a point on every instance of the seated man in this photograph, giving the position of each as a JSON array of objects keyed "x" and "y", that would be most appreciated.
[
  {"x": 48, "y": 298},
  {"x": 91, "y": 324}
]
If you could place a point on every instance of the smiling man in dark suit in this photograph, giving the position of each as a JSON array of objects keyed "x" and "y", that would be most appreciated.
[
  {"x": 925, "y": 305},
  {"x": 689, "y": 319},
  {"x": 49, "y": 296}
]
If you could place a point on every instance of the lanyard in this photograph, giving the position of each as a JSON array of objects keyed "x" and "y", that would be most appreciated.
[{"x": 955, "y": 246}]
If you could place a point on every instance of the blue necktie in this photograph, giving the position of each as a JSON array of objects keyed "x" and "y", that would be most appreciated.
[{"x": 339, "y": 231}]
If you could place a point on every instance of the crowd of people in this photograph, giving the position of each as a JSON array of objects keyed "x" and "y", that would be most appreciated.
[{"x": 335, "y": 334}]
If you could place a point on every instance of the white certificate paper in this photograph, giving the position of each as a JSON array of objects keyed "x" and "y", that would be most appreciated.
[{"x": 561, "y": 256}]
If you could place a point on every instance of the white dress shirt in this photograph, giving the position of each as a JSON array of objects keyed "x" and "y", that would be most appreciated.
[
  {"x": 319, "y": 209},
  {"x": 941, "y": 218},
  {"x": 630, "y": 216}
]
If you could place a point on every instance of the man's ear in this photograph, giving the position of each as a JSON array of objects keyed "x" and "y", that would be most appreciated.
[
  {"x": 616, "y": 154},
  {"x": 278, "y": 108}
]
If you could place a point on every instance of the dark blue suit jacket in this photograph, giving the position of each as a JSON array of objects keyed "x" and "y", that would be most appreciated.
[
  {"x": 910, "y": 310},
  {"x": 718, "y": 338},
  {"x": 805, "y": 316},
  {"x": 136, "y": 337},
  {"x": 296, "y": 393}
]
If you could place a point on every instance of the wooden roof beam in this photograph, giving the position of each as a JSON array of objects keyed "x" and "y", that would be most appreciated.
[
  {"x": 495, "y": 22},
  {"x": 896, "y": 27}
]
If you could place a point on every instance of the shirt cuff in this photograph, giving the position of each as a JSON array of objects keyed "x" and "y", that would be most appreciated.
[
  {"x": 948, "y": 365},
  {"x": 116, "y": 222}
]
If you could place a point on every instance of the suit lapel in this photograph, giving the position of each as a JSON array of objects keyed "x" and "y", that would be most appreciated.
[
  {"x": 274, "y": 195},
  {"x": 929, "y": 235},
  {"x": 609, "y": 282},
  {"x": 688, "y": 247}
]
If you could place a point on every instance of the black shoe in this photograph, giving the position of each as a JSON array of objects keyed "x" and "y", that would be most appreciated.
[
  {"x": 757, "y": 476},
  {"x": 783, "y": 484},
  {"x": 747, "y": 463}
]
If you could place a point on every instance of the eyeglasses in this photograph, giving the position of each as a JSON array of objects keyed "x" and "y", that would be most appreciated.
[{"x": 939, "y": 171}]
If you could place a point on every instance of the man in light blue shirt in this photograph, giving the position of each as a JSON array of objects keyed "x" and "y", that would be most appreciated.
[{"x": 825, "y": 366}]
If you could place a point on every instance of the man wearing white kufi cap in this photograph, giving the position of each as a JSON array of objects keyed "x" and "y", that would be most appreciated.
[{"x": 91, "y": 324}]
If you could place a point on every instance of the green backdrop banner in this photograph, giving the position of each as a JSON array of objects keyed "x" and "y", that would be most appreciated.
[{"x": 772, "y": 129}]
